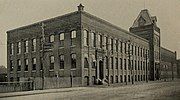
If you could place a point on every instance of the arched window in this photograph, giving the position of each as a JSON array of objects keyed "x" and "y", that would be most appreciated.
[
  {"x": 86, "y": 35},
  {"x": 51, "y": 39},
  {"x": 19, "y": 48},
  {"x": 33, "y": 44}
]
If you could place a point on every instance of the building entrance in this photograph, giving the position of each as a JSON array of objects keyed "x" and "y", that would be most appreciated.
[{"x": 101, "y": 70}]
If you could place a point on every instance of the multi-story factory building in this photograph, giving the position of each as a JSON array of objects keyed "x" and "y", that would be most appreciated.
[{"x": 79, "y": 49}]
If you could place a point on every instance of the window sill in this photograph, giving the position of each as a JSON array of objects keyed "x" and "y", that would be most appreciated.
[
  {"x": 51, "y": 70},
  {"x": 73, "y": 68},
  {"x": 18, "y": 71},
  {"x": 33, "y": 70},
  {"x": 73, "y": 46},
  {"x": 61, "y": 47}
]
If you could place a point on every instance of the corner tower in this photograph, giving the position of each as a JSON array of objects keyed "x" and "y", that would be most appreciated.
[{"x": 145, "y": 26}]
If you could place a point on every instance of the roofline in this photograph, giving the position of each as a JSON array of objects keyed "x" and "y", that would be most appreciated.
[
  {"x": 112, "y": 25},
  {"x": 168, "y": 49},
  {"x": 43, "y": 21},
  {"x": 97, "y": 18}
]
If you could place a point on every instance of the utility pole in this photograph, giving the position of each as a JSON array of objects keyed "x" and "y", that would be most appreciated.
[{"x": 43, "y": 42}]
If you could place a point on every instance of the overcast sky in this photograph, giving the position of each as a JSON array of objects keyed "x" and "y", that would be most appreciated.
[{"x": 16, "y": 13}]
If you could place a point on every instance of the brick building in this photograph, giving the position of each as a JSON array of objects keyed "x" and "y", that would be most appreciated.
[
  {"x": 169, "y": 68},
  {"x": 80, "y": 49},
  {"x": 178, "y": 68}
]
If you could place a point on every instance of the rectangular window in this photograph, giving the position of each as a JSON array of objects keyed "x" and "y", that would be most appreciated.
[
  {"x": 73, "y": 36},
  {"x": 121, "y": 66},
  {"x": 132, "y": 65},
  {"x": 112, "y": 44},
  {"x": 121, "y": 79},
  {"x": 100, "y": 40},
  {"x": 86, "y": 64},
  {"x": 135, "y": 51},
  {"x": 135, "y": 65},
  {"x": 61, "y": 58},
  {"x": 116, "y": 45},
  {"x": 51, "y": 38},
  {"x": 116, "y": 79},
  {"x": 93, "y": 39},
  {"x": 129, "y": 64},
  {"x": 33, "y": 44},
  {"x": 93, "y": 64},
  {"x": 129, "y": 79},
  {"x": 19, "y": 48},
  {"x": 124, "y": 78},
  {"x": 61, "y": 38},
  {"x": 116, "y": 63},
  {"x": 132, "y": 49},
  {"x": 141, "y": 65},
  {"x": 51, "y": 62},
  {"x": 135, "y": 78},
  {"x": 73, "y": 60},
  {"x": 112, "y": 63},
  {"x": 26, "y": 65},
  {"x": 125, "y": 47},
  {"x": 107, "y": 62},
  {"x": 18, "y": 65},
  {"x": 106, "y": 42},
  {"x": 138, "y": 51},
  {"x": 141, "y": 52},
  {"x": 124, "y": 64},
  {"x": 34, "y": 63},
  {"x": 26, "y": 46},
  {"x": 11, "y": 65},
  {"x": 120, "y": 47},
  {"x": 86, "y": 38},
  {"x": 11, "y": 48},
  {"x": 138, "y": 65}
]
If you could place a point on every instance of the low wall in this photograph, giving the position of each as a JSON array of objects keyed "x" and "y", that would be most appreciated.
[
  {"x": 56, "y": 82},
  {"x": 15, "y": 86}
]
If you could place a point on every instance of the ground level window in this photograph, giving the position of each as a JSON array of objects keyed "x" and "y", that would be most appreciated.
[
  {"x": 116, "y": 79},
  {"x": 121, "y": 79},
  {"x": 111, "y": 79}
]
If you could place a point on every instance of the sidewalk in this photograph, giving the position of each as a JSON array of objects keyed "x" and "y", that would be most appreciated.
[{"x": 24, "y": 93}]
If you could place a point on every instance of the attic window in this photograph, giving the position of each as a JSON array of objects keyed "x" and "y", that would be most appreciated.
[{"x": 141, "y": 21}]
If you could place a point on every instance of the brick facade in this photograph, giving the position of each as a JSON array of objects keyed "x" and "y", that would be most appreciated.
[{"x": 90, "y": 51}]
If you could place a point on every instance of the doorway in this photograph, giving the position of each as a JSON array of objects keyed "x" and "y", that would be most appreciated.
[{"x": 101, "y": 75}]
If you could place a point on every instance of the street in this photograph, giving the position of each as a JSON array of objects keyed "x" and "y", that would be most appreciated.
[{"x": 141, "y": 91}]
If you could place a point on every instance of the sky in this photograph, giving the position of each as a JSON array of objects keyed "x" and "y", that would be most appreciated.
[{"x": 122, "y": 13}]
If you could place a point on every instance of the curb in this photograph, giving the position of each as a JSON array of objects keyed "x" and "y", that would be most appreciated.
[{"x": 36, "y": 93}]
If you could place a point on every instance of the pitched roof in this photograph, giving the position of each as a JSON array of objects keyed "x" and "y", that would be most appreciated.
[{"x": 144, "y": 14}]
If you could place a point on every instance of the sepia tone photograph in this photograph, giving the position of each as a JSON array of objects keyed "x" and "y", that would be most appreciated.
[{"x": 89, "y": 50}]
